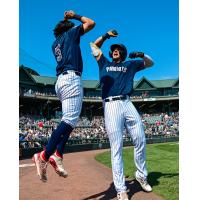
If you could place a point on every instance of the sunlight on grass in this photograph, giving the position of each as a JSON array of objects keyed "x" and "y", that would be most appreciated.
[{"x": 162, "y": 165}]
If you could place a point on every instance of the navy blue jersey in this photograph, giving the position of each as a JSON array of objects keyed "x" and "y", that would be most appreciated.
[
  {"x": 66, "y": 49},
  {"x": 117, "y": 78}
]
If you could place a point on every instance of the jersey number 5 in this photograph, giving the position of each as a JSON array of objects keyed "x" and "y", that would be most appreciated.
[{"x": 58, "y": 53}]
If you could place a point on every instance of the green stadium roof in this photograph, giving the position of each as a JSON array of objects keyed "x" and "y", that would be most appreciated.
[
  {"x": 157, "y": 83},
  {"x": 164, "y": 83},
  {"x": 45, "y": 80},
  {"x": 90, "y": 83}
]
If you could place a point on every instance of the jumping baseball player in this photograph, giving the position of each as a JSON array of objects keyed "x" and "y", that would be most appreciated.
[
  {"x": 66, "y": 49},
  {"x": 116, "y": 78}
]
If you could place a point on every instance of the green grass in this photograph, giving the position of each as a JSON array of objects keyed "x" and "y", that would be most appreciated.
[{"x": 162, "y": 166}]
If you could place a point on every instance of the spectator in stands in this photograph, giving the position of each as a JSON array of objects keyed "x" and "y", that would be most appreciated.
[
  {"x": 40, "y": 124},
  {"x": 94, "y": 128}
]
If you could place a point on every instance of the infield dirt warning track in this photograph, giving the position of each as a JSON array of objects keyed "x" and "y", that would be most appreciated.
[{"x": 88, "y": 179}]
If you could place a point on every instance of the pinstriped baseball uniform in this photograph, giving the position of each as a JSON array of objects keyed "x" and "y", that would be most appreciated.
[
  {"x": 119, "y": 112},
  {"x": 70, "y": 92},
  {"x": 67, "y": 52},
  {"x": 68, "y": 86}
]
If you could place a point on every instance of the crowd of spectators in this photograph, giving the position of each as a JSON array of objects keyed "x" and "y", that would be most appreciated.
[
  {"x": 142, "y": 95},
  {"x": 30, "y": 92},
  {"x": 34, "y": 128},
  {"x": 35, "y": 131},
  {"x": 161, "y": 124}
]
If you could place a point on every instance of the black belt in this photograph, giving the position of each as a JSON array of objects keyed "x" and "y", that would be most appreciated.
[
  {"x": 76, "y": 72},
  {"x": 123, "y": 97}
]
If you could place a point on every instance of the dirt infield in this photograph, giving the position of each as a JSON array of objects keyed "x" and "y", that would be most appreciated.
[{"x": 87, "y": 180}]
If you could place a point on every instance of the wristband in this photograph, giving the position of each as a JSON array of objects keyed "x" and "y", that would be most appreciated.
[
  {"x": 140, "y": 54},
  {"x": 78, "y": 17},
  {"x": 106, "y": 36}
]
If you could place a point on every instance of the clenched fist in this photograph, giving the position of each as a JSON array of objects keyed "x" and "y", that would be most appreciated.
[{"x": 69, "y": 14}]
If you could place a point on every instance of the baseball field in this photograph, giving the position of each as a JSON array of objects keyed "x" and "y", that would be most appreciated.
[{"x": 162, "y": 165}]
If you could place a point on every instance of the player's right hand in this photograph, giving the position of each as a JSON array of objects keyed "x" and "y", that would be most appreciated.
[
  {"x": 112, "y": 33},
  {"x": 136, "y": 55},
  {"x": 69, "y": 14}
]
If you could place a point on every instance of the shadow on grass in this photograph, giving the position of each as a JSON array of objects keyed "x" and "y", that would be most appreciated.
[
  {"x": 153, "y": 177},
  {"x": 132, "y": 187}
]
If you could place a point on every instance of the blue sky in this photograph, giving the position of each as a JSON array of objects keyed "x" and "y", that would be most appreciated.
[{"x": 148, "y": 26}]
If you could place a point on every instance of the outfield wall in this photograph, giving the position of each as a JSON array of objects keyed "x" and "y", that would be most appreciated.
[{"x": 93, "y": 145}]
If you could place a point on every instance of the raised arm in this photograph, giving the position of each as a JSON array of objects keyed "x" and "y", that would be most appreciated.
[
  {"x": 99, "y": 41},
  {"x": 148, "y": 61},
  {"x": 96, "y": 51},
  {"x": 88, "y": 23}
]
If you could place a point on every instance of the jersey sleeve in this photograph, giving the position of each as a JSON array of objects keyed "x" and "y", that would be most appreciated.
[
  {"x": 76, "y": 32},
  {"x": 102, "y": 61},
  {"x": 139, "y": 65}
]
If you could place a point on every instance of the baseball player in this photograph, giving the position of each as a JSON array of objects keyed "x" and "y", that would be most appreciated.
[
  {"x": 116, "y": 78},
  {"x": 66, "y": 49}
]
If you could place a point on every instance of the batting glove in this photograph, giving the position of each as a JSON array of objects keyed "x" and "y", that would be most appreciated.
[{"x": 136, "y": 55}]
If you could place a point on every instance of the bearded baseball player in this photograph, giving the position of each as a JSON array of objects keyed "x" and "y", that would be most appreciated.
[
  {"x": 116, "y": 78},
  {"x": 66, "y": 49}
]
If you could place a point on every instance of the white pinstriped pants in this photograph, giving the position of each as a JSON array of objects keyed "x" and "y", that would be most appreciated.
[
  {"x": 70, "y": 92},
  {"x": 118, "y": 114}
]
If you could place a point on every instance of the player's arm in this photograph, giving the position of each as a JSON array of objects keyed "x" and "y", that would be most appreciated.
[
  {"x": 148, "y": 61},
  {"x": 96, "y": 51},
  {"x": 88, "y": 23},
  {"x": 99, "y": 41}
]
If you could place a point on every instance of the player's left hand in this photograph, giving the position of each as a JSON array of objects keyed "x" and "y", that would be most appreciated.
[
  {"x": 136, "y": 55},
  {"x": 69, "y": 14},
  {"x": 112, "y": 33}
]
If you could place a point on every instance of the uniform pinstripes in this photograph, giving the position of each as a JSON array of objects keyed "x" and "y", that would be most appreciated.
[
  {"x": 136, "y": 131},
  {"x": 114, "y": 122},
  {"x": 117, "y": 115},
  {"x": 70, "y": 92}
]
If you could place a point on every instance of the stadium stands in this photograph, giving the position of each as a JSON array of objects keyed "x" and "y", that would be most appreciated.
[
  {"x": 35, "y": 132},
  {"x": 156, "y": 100}
]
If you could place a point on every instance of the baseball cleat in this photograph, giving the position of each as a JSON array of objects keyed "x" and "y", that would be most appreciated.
[
  {"x": 56, "y": 163},
  {"x": 41, "y": 166},
  {"x": 144, "y": 184},
  {"x": 122, "y": 196}
]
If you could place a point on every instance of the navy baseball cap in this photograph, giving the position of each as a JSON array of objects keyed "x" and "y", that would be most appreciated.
[{"x": 120, "y": 46}]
